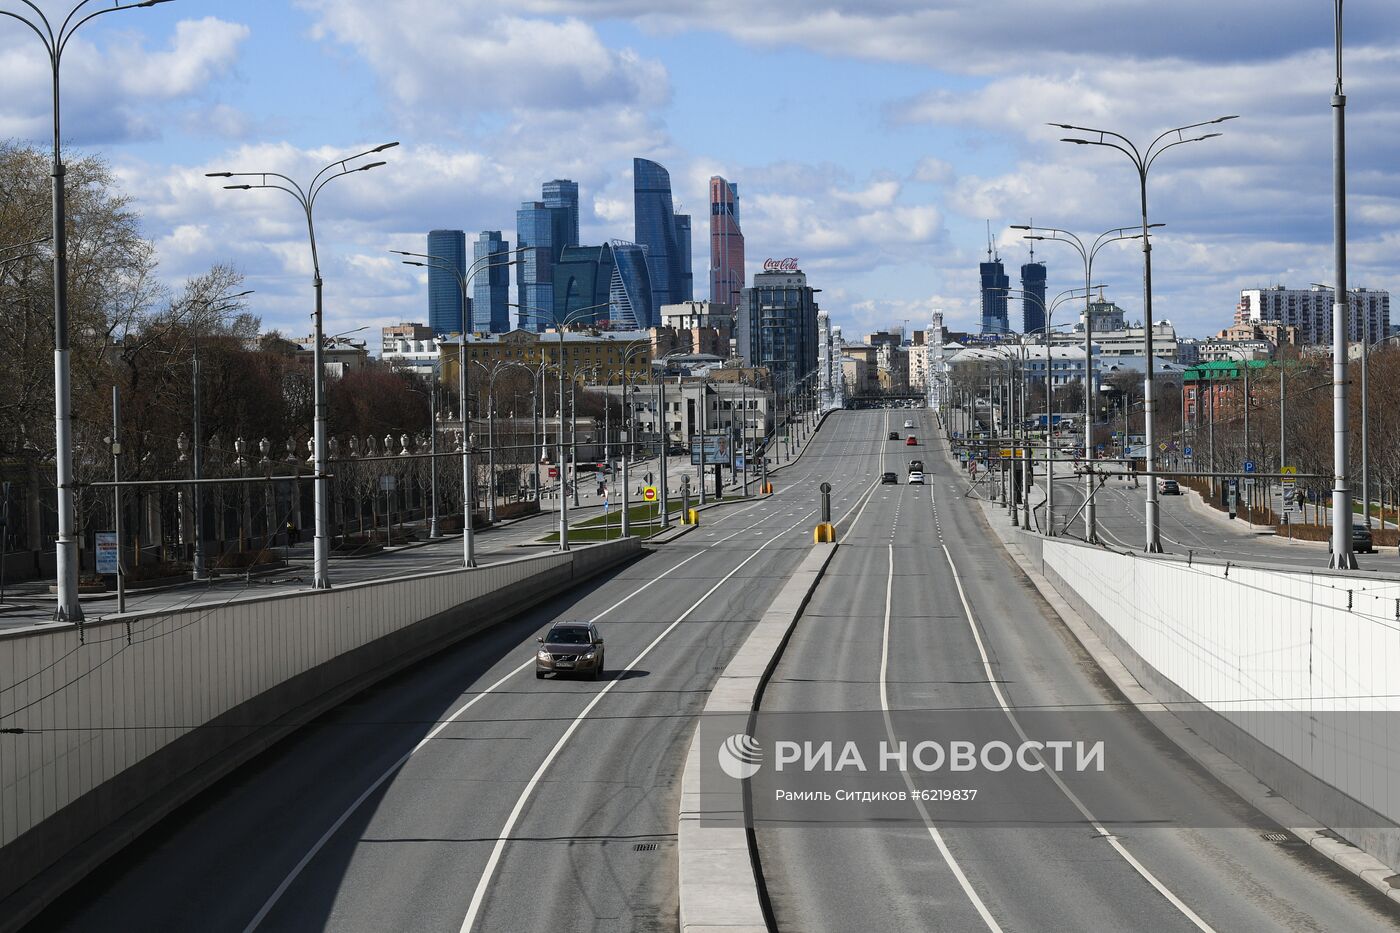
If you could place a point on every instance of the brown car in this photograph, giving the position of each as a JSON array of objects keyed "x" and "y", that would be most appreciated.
[{"x": 570, "y": 648}]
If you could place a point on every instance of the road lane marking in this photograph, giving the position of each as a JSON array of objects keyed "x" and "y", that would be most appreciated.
[
  {"x": 389, "y": 772},
  {"x": 1072, "y": 797},
  {"x": 933, "y": 832},
  {"x": 489, "y": 872}
]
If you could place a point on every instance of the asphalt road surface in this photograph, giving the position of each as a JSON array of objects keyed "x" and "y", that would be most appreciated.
[
  {"x": 465, "y": 794},
  {"x": 921, "y": 609}
]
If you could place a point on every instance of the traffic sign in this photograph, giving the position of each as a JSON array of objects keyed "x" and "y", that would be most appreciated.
[
  {"x": 1288, "y": 473},
  {"x": 554, "y": 472},
  {"x": 1162, "y": 447},
  {"x": 649, "y": 493},
  {"x": 1187, "y": 452},
  {"x": 1249, "y": 466}
]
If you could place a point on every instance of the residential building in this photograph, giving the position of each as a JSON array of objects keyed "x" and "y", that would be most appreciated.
[
  {"x": 777, "y": 327},
  {"x": 1209, "y": 385},
  {"x": 995, "y": 282},
  {"x": 1310, "y": 311},
  {"x": 1280, "y": 335},
  {"x": 490, "y": 283},
  {"x": 726, "y": 243},
  {"x": 444, "y": 287},
  {"x": 1033, "y": 296},
  {"x": 1107, "y": 316},
  {"x": 339, "y": 355},
  {"x": 663, "y": 234},
  {"x": 1213, "y": 350},
  {"x": 1127, "y": 341},
  {"x": 742, "y": 410},
  {"x": 409, "y": 346}
]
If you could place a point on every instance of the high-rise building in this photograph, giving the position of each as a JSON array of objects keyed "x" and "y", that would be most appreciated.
[
  {"x": 1310, "y": 310},
  {"x": 726, "y": 243},
  {"x": 664, "y": 234},
  {"x": 777, "y": 327},
  {"x": 444, "y": 289},
  {"x": 491, "y": 283},
  {"x": 630, "y": 293},
  {"x": 547, "y": 225},
  {"x": 1032, "y": 296},
  {"x": 995, "y": 282},
  {"x": 610, "y": 281}
]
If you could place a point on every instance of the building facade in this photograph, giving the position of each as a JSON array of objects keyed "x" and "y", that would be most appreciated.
[
  {"x": 1032, "y": 297},
  {"x": 777, "y": 327},
  {"x": 663, "y": 234},
  {"x": 629, "y": 289},
  {"x": 726, "y": 243},
  {"x": 444, "y": 288},
  {"x": 588, "y": 355},
  {"x": 490, "y": 283},
  {"x": 546, "y": 226},
  {"x": 1310, "y": 311},
  {"x": 995, "y": 282},
  {"x": 409, "y": 346}
]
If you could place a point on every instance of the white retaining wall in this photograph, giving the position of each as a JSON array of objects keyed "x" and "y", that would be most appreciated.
[{"x": 1266, "y": 649}]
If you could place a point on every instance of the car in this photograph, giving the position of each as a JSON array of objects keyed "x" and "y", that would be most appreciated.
[
  {"x": 908, "y": 423},
  {"x": 1361, "y": 540},
  {"x": 894, "y": 435},
  {"x": 916, "y": 478},
  {"x": 570, "y": 648},
  {"x": 912, "y": 441},
  {"x": 916, "y": 466},
  {"x": 889, "y": 478},
  {"x": 677, "y": 450},
  {"x": 1169, "y": 487}
]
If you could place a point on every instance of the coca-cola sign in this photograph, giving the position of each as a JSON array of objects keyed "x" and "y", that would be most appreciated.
[{"x": 780, "y": 265}]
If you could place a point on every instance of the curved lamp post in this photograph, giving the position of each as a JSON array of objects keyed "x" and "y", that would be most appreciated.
[
  {"x": 1087, "y": 252},
  {"x": 1143, "y": 160},
  {"x": 492, "y": 373},
  {"x": 306, "y": 198},
  {"x": 55, "y": 40},
  {"x": 463, "y": 382}
]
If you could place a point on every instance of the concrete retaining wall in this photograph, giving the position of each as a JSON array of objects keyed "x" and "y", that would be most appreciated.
[
  {"x": 1266, "y": 650},
  {"x": 103, "y": 731}
]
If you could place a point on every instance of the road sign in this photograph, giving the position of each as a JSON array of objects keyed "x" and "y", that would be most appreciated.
[
  {"x": 554, "y": 472},
  {"x": 106, "y": 552},
  {"x": 1249, "y": 466},
  {"x": 649, "y": 493},
  {"x": 388, "y": 482},
  {"x": 1288, "y": 473},
  {"x": 1162, "y": 447},
  {"x": 1187, "y": 452}
]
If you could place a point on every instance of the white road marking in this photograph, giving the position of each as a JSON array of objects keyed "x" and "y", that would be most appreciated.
[
  {"x": 933, "y": 832},
  {"x": 1078, "y": 804},
  {"x": 488, "y": 873}
]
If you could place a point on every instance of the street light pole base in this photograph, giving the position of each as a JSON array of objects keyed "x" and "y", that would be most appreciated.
[
  {"x": 1153, "y": 547},
  {"x": 1345, "y": 561}
]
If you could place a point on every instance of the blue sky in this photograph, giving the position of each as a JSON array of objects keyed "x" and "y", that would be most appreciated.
[{"x": 872, "y": 139}]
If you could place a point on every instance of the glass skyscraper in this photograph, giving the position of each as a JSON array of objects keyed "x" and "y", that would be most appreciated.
[
  {"x": 613, "y": 276},
  {"x": 444, "y": 290},
  {"x": 548, "y": 226},
  {"x": 630, "y": 293},
  {"x": 726, "y": 243},
  {"x": 1033, "y": 308},
  {"x": 994, "y": 285},
  {"x": 776, "y": 327},
  {"x": 664, "y": 234},
  {"x": 491, "y": 284}
]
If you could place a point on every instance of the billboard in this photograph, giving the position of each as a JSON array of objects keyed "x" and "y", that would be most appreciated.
[{"x": 715, "y": 447}]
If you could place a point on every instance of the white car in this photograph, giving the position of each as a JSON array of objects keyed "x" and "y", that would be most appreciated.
[
  {"x": 916, "y": 478},
  {"x": 908, "y": 423}
]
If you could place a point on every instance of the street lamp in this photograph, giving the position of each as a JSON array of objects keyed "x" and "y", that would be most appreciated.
[
  {"x": 1142, "y": 160},
  {"x": 1342, "y": 555},
  {"x": 559, "y": 325},
  {"x": 306, "y": 198},
  {"x": 68, "y": 608},
  {"x": 492, "y": 373},
  {"x": 443, "y": 264},
  {"x": 1087, "y": 254}
]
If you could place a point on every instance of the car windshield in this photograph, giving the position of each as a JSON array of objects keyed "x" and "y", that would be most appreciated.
[{"x": 572, "y": 635}]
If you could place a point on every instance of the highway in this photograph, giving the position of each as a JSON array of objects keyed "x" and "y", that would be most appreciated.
[
  {"x": 921, "y": 609},
  {"x": 464, "y": 794}
]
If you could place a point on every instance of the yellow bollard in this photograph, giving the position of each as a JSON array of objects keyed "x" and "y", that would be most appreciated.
[
  {"x": 824, "y": 533},
  {"x": 693, "y": 518},
  {"x": 768, "y": 489}
]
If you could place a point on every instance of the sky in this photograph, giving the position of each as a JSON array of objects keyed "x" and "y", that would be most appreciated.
[{"x": 874, "y": 140}]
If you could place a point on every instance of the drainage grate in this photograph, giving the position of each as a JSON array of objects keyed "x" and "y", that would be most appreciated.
[
  {"x": 1275, "y": 837},
  {"x": 644, "y": 847}
]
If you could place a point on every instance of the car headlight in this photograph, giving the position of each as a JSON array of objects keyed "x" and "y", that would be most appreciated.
[
  {"x": 591, "y": 653},
  {"x": 542, "y": 655}
]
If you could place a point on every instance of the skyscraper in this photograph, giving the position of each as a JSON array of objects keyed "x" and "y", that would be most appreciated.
[
  {"x": 630, "y": 291},
  {"x": 726, "y": 243},
  {"x": 491, "y": 285},
  {"x": 995, "y": 282},
  {"x": 776, "y": 327},
  {"x": 661, "y": 232},
  {"x": 1032, "y": 296},
  {"x": 613, "y": 275},
  {"x": 548, "y": 226},
  {"x": 444, "y": 290}
]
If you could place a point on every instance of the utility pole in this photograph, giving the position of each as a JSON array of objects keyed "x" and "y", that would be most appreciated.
[{"x": 117, "y": 495}]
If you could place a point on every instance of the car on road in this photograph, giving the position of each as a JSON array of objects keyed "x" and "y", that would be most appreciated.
[
  {"x": 908, "y": 423},
  {"x": 570, "y": 648},
  {"x": 1361, "y": 540},
  {"x": 916, "y": 478},
  {"x": 894, "y": 435},
  {"x": 677, "y": 450},
  {"x": 913, "y": 441},
  {"x": 916, "y": 466},
  {"x": 889, "y": 478},
  {"x": 1169, "y": 487}
]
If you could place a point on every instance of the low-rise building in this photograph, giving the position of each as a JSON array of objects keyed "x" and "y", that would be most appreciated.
[
  {"x": 590, "y": 355},
  {"x": 410, "y": 346}
]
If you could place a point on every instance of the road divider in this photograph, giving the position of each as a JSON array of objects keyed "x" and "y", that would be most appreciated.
[{"x": 721, "y": 886}]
